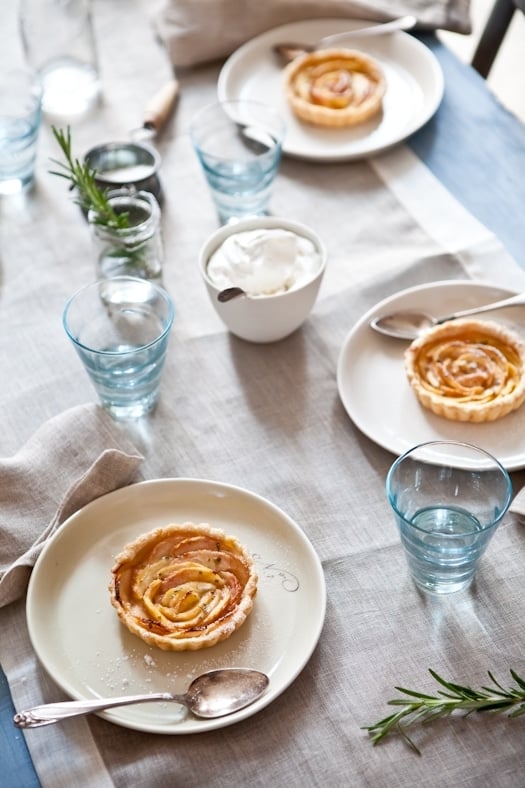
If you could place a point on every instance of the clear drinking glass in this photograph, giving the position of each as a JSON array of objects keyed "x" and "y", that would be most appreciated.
[
  {"x": 120, "y": 329},
  {"x": 239, "y": 146},
  {"x": 136, "y": 250},
  {"x": 20, "y": 116},
  {"x": 448, "y": 499},
  {"x": 58, "y": 41}
]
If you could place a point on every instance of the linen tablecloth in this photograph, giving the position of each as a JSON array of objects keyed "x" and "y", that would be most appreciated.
[{"x": 269, "y": 419}]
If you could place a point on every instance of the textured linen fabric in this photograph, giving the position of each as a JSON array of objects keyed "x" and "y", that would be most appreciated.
[
  {"x": 196, "y": 31},
  {"x": 518, "y": 504},
  {"x": 268, "y": 419},
  {"x": 72, "y": 459}
]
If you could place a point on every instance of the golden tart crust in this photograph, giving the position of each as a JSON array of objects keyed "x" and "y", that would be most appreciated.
[
  {"x": 334, "y": 87},
  {"x": 468, "y": 370},
  {"x": 183, "y": 587}
]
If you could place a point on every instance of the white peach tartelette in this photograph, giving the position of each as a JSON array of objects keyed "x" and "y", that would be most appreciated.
[
  {"x": 183, "y": 587},
  {"x": 334, "y": 87},
  {"x": 468, "y": 370}
]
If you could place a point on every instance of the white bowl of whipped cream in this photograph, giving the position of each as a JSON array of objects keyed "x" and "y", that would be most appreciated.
[{"x": 278, "y": 263}]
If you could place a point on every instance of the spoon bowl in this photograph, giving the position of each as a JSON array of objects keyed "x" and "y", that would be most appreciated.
[
  {"x": 213, "y": 694},
  {"x": 409, "y": 324},
  {"x": 403, "y": 325}
]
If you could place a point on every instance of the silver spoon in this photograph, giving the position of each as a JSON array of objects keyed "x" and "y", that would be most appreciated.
[
  {"x": 408, "y": 324},
  {"x": 213, "y": 694},
  {"x": 289, "y": 51}
]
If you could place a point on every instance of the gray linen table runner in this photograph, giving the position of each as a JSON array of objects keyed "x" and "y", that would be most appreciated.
[{"x": 269, "y": 419}]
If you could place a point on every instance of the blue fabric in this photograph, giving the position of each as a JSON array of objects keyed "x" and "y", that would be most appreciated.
[
  {"x": 16, "y": 770},
  {"x": 489, "y": 184}
]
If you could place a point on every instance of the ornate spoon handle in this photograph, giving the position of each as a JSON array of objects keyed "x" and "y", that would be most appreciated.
[{"x": 49, "y": 713}]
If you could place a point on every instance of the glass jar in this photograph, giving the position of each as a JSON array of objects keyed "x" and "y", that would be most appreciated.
[{"x": 135, "y": 250}]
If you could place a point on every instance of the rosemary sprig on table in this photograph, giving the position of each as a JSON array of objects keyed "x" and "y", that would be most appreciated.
[
  {"x": 82, "y": 178},
  {"x": 425, "y": 708}
]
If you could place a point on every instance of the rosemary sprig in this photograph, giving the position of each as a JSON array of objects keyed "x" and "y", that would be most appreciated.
[
  {"x": 425, "y": 708},
  {"x": 82, "y": 178}
]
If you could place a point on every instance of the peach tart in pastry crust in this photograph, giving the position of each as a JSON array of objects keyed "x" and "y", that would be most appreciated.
[
  {"x": 468, "y": 370},
  {"x": 183, "y": 587},
  {"x": 334, "y": 87}
]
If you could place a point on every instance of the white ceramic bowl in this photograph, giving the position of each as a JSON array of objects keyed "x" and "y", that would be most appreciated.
[{"x": 271, "y": 317}]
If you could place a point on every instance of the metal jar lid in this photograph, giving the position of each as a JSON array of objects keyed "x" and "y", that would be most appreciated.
[{"x": 133, "y": 165}]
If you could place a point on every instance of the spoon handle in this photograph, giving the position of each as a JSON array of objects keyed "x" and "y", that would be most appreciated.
[
  {"x": 517, "y": 300},
  {"x": 403, "y": 23},
  {"x": 228, "y": 293},
  {"x": 49, "y": 713}
]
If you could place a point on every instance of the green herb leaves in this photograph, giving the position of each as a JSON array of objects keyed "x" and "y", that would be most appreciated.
[
  {"x": 418, "y": 707},
  {"x": 82, "y": 178}
]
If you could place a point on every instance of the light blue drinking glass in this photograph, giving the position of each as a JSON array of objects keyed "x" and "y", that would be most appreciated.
[
  {"x": 120, "y": 329},
  {"x": 448, "y": 498},
  {"x": 20, "y": 118},
  {"x": 239, "y": 146}
]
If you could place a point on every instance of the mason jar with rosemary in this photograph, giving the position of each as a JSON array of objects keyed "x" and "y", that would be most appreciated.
[{"x": 136, "y": 248}]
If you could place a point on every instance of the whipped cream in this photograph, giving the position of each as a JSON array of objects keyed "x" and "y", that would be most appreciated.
[{"x": 263, "y": 262}]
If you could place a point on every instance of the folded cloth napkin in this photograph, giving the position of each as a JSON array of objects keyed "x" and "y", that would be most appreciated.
[
  {"x": 68, "y": 462},
  {"x": 196, "y": 31},
  {"x": 518, "y": 504}
]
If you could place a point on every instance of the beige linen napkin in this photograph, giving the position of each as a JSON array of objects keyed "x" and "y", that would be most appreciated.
[
  {"x": 68, "y": 462},
  {"x": 196, "y": 31},
  {"x": 518, "y": 504}
]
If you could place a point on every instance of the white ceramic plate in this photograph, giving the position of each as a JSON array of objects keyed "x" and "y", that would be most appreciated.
[
  {"x": 81, "y": 643},
  {"x": 376, "y": 394},
  {"x": 415, "y": 89}
]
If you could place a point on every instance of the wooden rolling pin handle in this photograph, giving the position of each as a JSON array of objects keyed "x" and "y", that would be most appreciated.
[{"x": 159, "y": 108}]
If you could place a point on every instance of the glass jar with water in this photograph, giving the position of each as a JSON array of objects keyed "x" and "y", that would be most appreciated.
[{"x": 135, "y": 250}]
